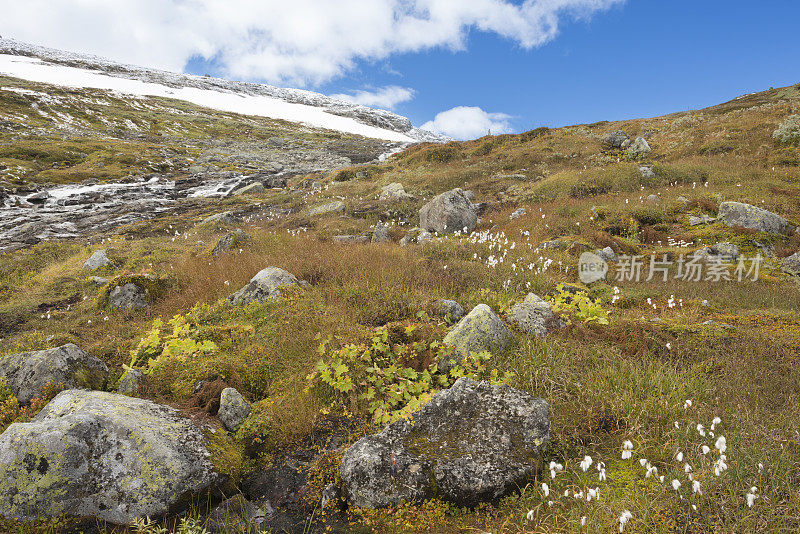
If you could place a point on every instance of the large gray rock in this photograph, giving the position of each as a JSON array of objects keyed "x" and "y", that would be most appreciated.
[
  {"x": 535, "y": 316},
  {"x": 449, "y": 212},
  {"x": 28, "y": 373},
  {"x": 233, "y": 409},
  {"x": 639, "y": 148},
  {"x": 471, "y": 443},
  {"x": 103, "y": 456},
  {"x": 265, "y": 285},
  {"x": 394, "y": 191},
  {"x": 336, "y": 206},
  {"x": 752, "y": 217},
  {"x": 791, "y": 264},
  {"x": 480, "y": 330},
  {"x": 97, "y": 260},
  {"x": 615, "y": 139},
  {"x": 128, "y": 297}
]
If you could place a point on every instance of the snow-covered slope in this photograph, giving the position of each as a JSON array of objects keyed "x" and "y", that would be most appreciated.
[{"x": 44, "y": 65}]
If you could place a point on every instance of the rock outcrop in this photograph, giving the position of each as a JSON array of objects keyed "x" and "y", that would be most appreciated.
[
  {"x": 101, "y": 455},
  {"x": 448, "y": 213},
  {"x": 471, "y": 443},
  {"x": 27, "y": 373}
]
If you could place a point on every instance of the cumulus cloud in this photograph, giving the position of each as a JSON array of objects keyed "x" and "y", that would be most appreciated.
[
  {"x": 465, "y": 122},
  {"x": 385, "y": 97},
  {"x": 304, "y": 42}
]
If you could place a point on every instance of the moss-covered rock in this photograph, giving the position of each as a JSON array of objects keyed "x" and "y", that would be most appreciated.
[
  {"x": 752, "y": 217},
  {"x": 101, "y": 455}
]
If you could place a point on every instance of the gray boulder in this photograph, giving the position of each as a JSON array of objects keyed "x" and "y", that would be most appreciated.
[
  {"x": 233, "y": 409},
  {"x": 130, "y": 382},
  {"x": 97, "y": 260},
  {"x": 519, "y": 212},
  {"x": 480, "y": 330},
  {"x": 128, "y": 297},
  {"x": 607, "y": 254},
  {"x": 723, "y": 251},
  {"x": 102, "y": 456},
  {"x": 231, "y": 240},
  {"x": 752, "y": 217},
  {"x": 449, "y": 212},
  {"x": 225, "y": 217},
  {"x": 380, "y": 234},
  {"x": 28, "y": 373},
  {"x": 265, "y": 285},
  {"x": 471, "y": 443},
  {"x": 534, "y": 316},
  {"x": 552, "y": 244},
  {"x": 639, "y": 148},
  {"x": 615, "y": 139},
  {"x": 250, "y": 189},
  {"x": 394, "y": 191},
  {"x": 449, "y": 309},
  {"x": 791, "y": 264},
  {"x": 646, "y": 171},
  {"x": 336, "y": 206},
  {"x": 416, "y": 235}
]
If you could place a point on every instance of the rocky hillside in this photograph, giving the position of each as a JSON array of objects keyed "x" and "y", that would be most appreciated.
[{"x": 234, "y": 324}]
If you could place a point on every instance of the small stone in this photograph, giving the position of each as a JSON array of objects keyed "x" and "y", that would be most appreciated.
[
  {"x": 519, "y": 212},
  {"x": 130, "y": 382},
  {"x": 654, "y": 199},
  {"x": 250, "y": 189},
  {"x": 449, "y": 309},
  {"x": 639, "y": 148},
  {"x": 97, "y": 260},
  {"x": 607, "y": 254},
  {"x": 266, "y": 285},
  {"x": 332, "y": 207},
  {"x": 233, "y": 409},
  {"x": 380, "y": 234},
  {"x": 99, "y": 280},
  {"x": 232, "y": 240},
  {"x": 394, "y": 191}
]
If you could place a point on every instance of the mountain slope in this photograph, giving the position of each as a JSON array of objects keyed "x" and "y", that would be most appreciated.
[{"x": 44, "y": 65}]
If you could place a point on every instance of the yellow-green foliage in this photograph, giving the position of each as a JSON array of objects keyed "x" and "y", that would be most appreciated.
[{"x": 579, "y": 306}]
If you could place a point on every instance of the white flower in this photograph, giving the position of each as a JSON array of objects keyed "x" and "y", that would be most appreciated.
[
  {"x": 643, "y": 462},
  {"x": 687, "y": 468},
  {"x": 545, "y": 490},
  {"x": 687, "y": 404},
  {"x": 696, "y": 487},
  {"x": 531, "y": 515},
  {"x": 721, "y": 444},
  {"x": 751, "y": 498},
  {"x": 627, "y": 447},
  {"x": 715, "y": 422},
  {"x": 679, "y": 456},
  {"x": 586, "y": 463},
  {"x": 669, "y": 346},
  {"x": 583, "y": 521},
  {"x": 676, "y": 484},
  {"x": 706, "y": 449},
  {"x": 700, "y": 429},
  {"x": 592, "y": 494},
  {"x": 623, "y": 519}
]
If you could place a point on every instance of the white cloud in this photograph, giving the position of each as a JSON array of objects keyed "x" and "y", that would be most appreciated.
[
  {"x": 385, "y": 97},
  {"x": 304, "y": 42},
  {"x": 468, "y": 123}
]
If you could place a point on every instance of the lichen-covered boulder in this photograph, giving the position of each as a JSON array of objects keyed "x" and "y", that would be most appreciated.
[
  {"x": 231, "y": 240},
  {"x": 265, "y": 285},
  {"x": 28, "y": 373},
  {"x": 101, "y": 455},
  {"x": 791, "y": 264},
  {"x": 233, "y": 409},
  {"x": 480, "y": 330},
  {"x": 336, "y": 206},
  {"x": 535, "y": 316},
  {"x": 752, "y": 217},
  {"x": 449, "y": 309},
  {"x": 449, "y": 212},
  {"x": 472, "y": 443},
  {"x": 639, "y": 148},
  {"x": 128, "y": 297},
  {"x": 97, "y": 260}
]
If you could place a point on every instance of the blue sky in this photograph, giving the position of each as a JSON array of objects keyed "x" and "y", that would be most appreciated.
[{"x": 456, "y": 66}]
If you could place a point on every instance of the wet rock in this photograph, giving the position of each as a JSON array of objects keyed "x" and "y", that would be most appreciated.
[
  {"x": 101, "y": 455},
  {"x": 128, "y": 297},
  {"x": 471, "y": 443},
  {"x": 639, "y": 148},
  {"x": 752, "y": 217},
  {"x": 534, "y": 316},
  {"x": 332, "y": 207},
  {"x": 231, "y": 240},
  {"x": 449, "y": 309},
  {"x": 233, "y": 409},
  {"x": 395, "y": 192},
  {"x": 266, "y": 285},
  {"x": 97, "y": 260},
  {"x": 28, "y": 373},
  {"x": 480, "y": 330},
  {"x": 449, "y": 212}
]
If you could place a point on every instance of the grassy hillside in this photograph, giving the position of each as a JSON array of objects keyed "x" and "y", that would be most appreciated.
[{"x": 731, "y": 348}]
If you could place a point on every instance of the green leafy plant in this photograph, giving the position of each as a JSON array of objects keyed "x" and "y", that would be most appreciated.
[
  {"x": 392, "y": 380},
  {"x": 579, "y": 306}
]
